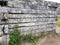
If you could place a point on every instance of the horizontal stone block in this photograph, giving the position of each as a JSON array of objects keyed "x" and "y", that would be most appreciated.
[
  {"x": 29, "y": 11},
  {"x": 20, "y": 22},
  {"x": 15, "y": 10},
  {"x": 32, "y": 25},
  {"x": 29, "y": 16},
  {"x": 39, "y": 29},
  {"x": 31, "y": 20}
]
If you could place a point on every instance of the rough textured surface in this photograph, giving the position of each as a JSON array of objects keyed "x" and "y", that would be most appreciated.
[
  {"x": 26, "y": 22},
  {"x": 29, "y": 6},
  {"x": 35, "y": 15}
]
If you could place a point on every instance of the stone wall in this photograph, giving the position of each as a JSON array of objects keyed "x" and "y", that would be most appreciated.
[
  {"x": 35, "y": 15},
  {"x": 28, "y": 22}
]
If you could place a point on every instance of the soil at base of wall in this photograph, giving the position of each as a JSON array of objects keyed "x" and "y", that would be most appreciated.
[{"x": 52, "y": 38}]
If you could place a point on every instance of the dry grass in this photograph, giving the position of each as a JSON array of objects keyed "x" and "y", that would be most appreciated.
[{"x": 50, "y": 39}]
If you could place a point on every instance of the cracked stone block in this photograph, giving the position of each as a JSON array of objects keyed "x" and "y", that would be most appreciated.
[{"x": 6, "y": 28}]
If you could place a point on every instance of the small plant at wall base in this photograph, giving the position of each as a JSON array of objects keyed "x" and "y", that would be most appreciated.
[
  {"x": 14, "y": 37},
  {"x": 30, "y": 38},
  {"x": 42, "y": 35}
]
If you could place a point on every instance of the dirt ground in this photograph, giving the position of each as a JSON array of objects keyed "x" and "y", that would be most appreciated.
[{"x": 51, "y": 39}]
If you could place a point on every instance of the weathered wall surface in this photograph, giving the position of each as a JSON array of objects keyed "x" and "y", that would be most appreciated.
[
  {"x": 28, "y": 22},
  {"x": 27, "y": 6},
  {"x": 35, "y": 15}
]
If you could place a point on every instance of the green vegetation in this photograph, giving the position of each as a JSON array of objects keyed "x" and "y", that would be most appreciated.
[
  {"x": 30, "y": 38},
  {"x": 42, "y": 35},
  {"x": 17, "y": 38},
  {"x": 1, "y": 35},
  {"x": 58, "y": 22}
]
